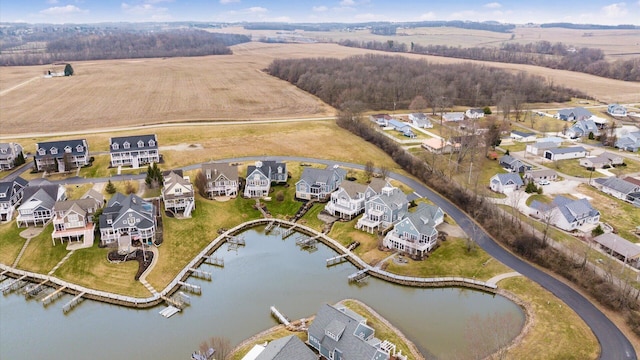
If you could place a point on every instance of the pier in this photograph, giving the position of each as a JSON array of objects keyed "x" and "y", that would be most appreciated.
[
  {"x": 73, "y": 303},
  {"x": 281, "y": 318},
  {"x": 33, "y": 290},
  {"x": 192, "y": 288},
  {"x": 53, "y": 296},
  {"x": 233, "y": 242},
  {"x": 288, "y": 232},
  {"x": 359, "y": 276},
  {"x": 169, "y": 311},
  {"x": 200, "y": 274},
  {"x": 337, "y": 260},
  {"x": 215, "y": 261},
  {"x": 14, "y": 285},
  {"x": 270, "y": 227}
]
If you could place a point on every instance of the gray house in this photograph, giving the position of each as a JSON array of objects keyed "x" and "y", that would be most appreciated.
[
  {"x": 38, "y": 202},
  {"x": 134, "y": 151},
  {"x": 629, "y": 142},
  {"x": 573, "y": 114},
  {"x": 348, "y": 201},
  {"x": 340, "y": 334},
  {"x": 261, "y": 175},
  {"x": 513, "y": 165},
  {"x": 286, "y": 348},
  {"x": 317, "y": 184},
  {"x": 382, "y": 210},
  {"x": 61, "y": 156},
  {"x": 505, "y": 183},
  {"x": 616, "y": 187},
  {"x": 582, "y": 128},
  {"x": 127, "y": 218},
  {"x": 177, "y": 194},
  {"x": 416, "y": 234},
  {"x": 11, "y": 192},
  {"x": 222, "y": 179},
  {"x": 9, "y": 152}
]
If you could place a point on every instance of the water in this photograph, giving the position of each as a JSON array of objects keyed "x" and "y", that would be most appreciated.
[{"x": 268, "y": 271}]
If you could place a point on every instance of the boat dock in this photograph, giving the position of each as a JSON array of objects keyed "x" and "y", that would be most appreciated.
[
  {"x": 337, "y": 260},
  {"x": 73, "y": 303},
  {"x": 281, "y": 318},
  {"x": 215, "y": 261},
  {"x": 14, "y": 285},
  {"x": 359, "y": 276},
  {"x": 288, "y": 232},
  {"x": 192, "y": 288},
  {"x": 201, "y": 274},
  {"x": 233, "y": 242},
  {"x": 53, "y": 296},
  {"x": 169, "y": 311}
]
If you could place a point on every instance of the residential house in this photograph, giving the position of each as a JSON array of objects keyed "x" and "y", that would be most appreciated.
[
  {"x": 539, "y": 148},
  {"x": 616, "y": 187},
  {"x": 416, "y": 234},
  {"x": 339, "y": 333},
  {"x": 582, "y": 128},
  {"x": 573, "y": 114},
  {"x": 567, "y": 214},
  {"x": 222, "y": 179},
  {"x": 261, "y": 175},
  {"x": 383, "y": 210},
  {"x": 521, "y": 136},
  {"x": 574, "y": 152},
  {"x": 619, "y": 247},
  {"x": 505, "y": 183},
  {"x": 9, "y": 152},
  {"x": 474, "y": 113},
  {"x": 11, "y": 193},
  {"x": 177, "y": 194},
  {"x": 512, "y": 164},
  {"x": 38, "y": 202},
  {"x": 317, "y": 184},
  {"x": 127, "y": 218},
  {"x": 420, "y": 120},
  {"x": 616, "y": 110},
  {"x": 134, "y": 151},
  {"x": 629, "y": 141},
  {"x": 348, "y": 201},
  {"x": 73, "y": 219},
  {"x": 453, "y": 116},
  {"x": 286, "y": 348},
  {"x": 61, "y": 156},
  {"x": 381, "y": 119},
  {"x": 606, "y": 159},
  {"x": 537, "y": 175},
  {"x": 438, "y": 146},
  {"x": 402, "y": 127},
  {"x": 552, "y": 139}
]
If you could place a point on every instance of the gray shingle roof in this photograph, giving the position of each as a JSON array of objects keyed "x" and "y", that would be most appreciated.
[
  {"x": 377, "y": 184},
  {"x": 510, "y": 177},
  {"x": 120, "y": 204},
  {"x": 545, "y": 145},
  {"x": 542, "y": 173},
  {"x": 133, "y": 143},
  {"x": 522, "y": 133},
  {"x": 574, "y": 209},
  {"x": 423, "y": 218},
  {"x": 8, "y": 188},
  {"x": 567, "y": 150},
  {"x": 287, "y": 348},
  {"x": 60, "y": 146},
  {"x": 217, "y": 169},
  {"x": 268, "y": 166},
  {"x": 619, "y": 245},
  {"x": 8, "y": 150},
  {"x": 616, "y": 184},
  {"x": 577, "y": 112},
  {"x": 394, "y": 199},
  {"x": 353, "y": 188}
]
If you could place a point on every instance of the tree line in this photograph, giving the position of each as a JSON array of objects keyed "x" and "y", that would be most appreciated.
[
  {"x": 543, "y": 53},
  {"x": 393, "y": 82},
  {"x": 126, "y": 45}
]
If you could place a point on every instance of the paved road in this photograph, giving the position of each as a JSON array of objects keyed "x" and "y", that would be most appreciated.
[{"x": 613, "y": 343}]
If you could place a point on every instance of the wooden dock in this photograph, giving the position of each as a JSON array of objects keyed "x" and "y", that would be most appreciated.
[
  {"x": 233, "y": 242},
  {"x": 359, "y": 276},
  {"x": 14, "y": 285},
  {"x": 215, "y": 261},
  {"x": 288, "y": 232},
  {"x": 73, "y": 303},
  {"x": 201, "y": 274},
  {"x": 281, "y": 318},
  {"x": 269, "y": 227},
  {"x": 169, "y": 311},
  {"x": 53, "y": 296},
  {"x": 192, "y": 288},
  {"x": 337, "y": 260}
]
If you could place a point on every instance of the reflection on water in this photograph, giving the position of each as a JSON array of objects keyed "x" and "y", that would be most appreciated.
[{"x": 268, "y": 271}]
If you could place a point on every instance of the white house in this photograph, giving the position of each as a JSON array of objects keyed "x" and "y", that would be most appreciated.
[
  {"x": 348, "y": 201},
  {"x": 567, "y": 214},
  {"x": 582, "y": 128},
  {"x": 505, "y": 183},
  {"x": 383, "y": 210},
  {"x": 453, "y": 116},
  {"x": 521, "y": 136},
  {"x": 420, "y": 120},
  {"x": 61, "y": 156},
  {"x": 381, "y": 119},
  {"x": 574, "y": 152},
  {"x": 11, "y": 193},
  {"x": 177, "y": 194},
  {"x": 474, "y": 113},
  {"x": 9, "y": 152},
  {"x": 261, "y": 175},
  {"x": 602, "y": 160},
  {"x": 616, "y": 110},
  {"x": 538, "y": 148},
  {"x": 629, "y": 141},
  {"x": 134, "y": 151},
  {"x": 222, "y": 179},
  {"x": 616, "y": 187},
  {"x": 537, "y": 175},
  {"x": 38, "y": 202},
  {"x": 416, "y": 233}
]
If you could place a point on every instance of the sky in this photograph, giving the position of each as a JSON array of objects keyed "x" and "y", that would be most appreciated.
[{"x": 507, "y": 11}]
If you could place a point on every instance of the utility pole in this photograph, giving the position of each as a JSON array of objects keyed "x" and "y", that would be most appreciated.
[{"x": 470, "y": 166}]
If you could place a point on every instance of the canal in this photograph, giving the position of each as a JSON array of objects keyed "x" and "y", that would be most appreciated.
[{"x": 268, "y": 271}]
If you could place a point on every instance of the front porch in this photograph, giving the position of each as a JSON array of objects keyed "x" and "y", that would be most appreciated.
[{"x": 77, "y": 238}]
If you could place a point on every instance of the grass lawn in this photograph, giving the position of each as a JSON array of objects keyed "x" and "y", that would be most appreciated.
[
  {"x": 557, "y": 332},
  {"x": 150, "y": 193},
  {"x": 632, "y": 167},
  {"x": 90, "y": 268},
  {"x": 274, "y": 333},
  {"x": 345, "y": 233},
  {"x": 311, "y": 220},
  {"x": 452, "y": 259},
  {"x": 517, "y": 146},
  {"x": 572, "y": 167},
  {"x": 623, "y": 216},
  {"x": 41, "y": 256},
  {"x": 541, "y": 198},
  {"x": 11, "y": 242},
  {"x": 99, "y": 168},
  {"x": 74, "y": 192}
]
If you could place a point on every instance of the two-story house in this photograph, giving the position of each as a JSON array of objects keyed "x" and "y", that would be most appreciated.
[
  {"x": 73, "y": 219},
  {"x": 573, "y": 114},
  {"x": 134, "y": 151},
  {"x": 177, "y": 194},
  {"x": 416, "y": 234},
  {"x": 61, "y": 156},
  {"x": 420, "y": 120},
  {"x": 338, "y": 333},
  {"x": 221, "y": 178},
  {"x": 567, "y": 214},
  {"x": 512, "y": 164},
  {"x": 383, "y": 210},
  {"x": 348, "y": 201},
  {"x": 616, "y": 110},
  {"x": 582, "y": 128},
  {"x": 37, "y": 204},
  {"x": 9, "y": 152},
  {"x": 261, "y": 175},
  {"x": 505, "y": 183},
  {"x": 317, "y": 184},
  {"x": 11, "y": 192},
  {"x": 127, "y": 218}
]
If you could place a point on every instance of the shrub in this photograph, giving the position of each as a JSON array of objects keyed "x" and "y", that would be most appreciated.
[
  {"x": 487, "y": 110},
  {"x": 280, "y": 196},
  {"x": 597, "y": 231}
]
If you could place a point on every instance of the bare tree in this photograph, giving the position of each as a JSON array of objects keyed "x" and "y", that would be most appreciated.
[
  {"x": 221, "y": 346},
  {"x": 369, "y": 167},
  {"x": 418, "y": 103},
  {"x": 201, "y": 184},
  {"x": 504, "y": 105},
  {"x": 384, "y": 172},
  {"x": 518, "y": 100}
]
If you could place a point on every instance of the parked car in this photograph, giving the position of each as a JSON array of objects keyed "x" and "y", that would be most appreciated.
[{"x": 544, "y": 182}]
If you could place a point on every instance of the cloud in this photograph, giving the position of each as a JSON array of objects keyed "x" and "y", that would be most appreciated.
[
  {"x": 320, "y": 8},
  {"x": 428, "y": 16},
  {"x": 615, "y": 10},
  {"x": 347, "y": 2},
  {"x": 52, "y": 1},
  {"x": 224, "y": 2},
  {"x": 63, "y": 10},
  {"x": 146, "y": 11},
  {"x": 493, "y": 5},
  {"x": 257, "y": 10}
]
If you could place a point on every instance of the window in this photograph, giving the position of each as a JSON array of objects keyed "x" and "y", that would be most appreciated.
[
  {"x": 67, "y": 149},
  {"x": 115, "y": 146},
  {"x": 53, "y": 151},
  {"x": 42, "y": 151},
  {"x": 152, "y": 143},
  {"x": 126, "y": 145},
  {"x": 79, "y": 148},
  {"x": 140, "y": 143}
]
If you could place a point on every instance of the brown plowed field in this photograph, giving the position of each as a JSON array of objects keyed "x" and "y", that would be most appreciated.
[{"x": 115, "y": 93}]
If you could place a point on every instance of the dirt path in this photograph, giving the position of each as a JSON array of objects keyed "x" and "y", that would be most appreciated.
[{"x": 6, "y": 91}]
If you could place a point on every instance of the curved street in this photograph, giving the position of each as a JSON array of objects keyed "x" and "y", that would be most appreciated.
[{"x": 613, "y": 343}]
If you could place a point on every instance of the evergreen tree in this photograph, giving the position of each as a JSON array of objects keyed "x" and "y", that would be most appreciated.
[
  {"x": 68, "y": 70},
  {"x": 110, "y": 188}
]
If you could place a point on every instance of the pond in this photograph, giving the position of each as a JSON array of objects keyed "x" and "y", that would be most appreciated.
[{"x": 235, "y": 304}]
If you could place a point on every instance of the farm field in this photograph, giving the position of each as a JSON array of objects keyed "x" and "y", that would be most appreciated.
[{"x": 117, "y": 93}]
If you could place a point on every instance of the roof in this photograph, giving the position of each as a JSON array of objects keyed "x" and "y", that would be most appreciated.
[
  {"x": 394, "y": 198},
  {"x": 287, "y": 348},
  {"x": 8, "y": 150},
  {"x": 567, "y": 150},
  {"x": 376, "y": 184},
  {"x": 60, "y": 146},
  {"x": 8, "y": 188},
  {"x": 120, "y": 204},
  {"x": 453, "y": 115},
  {"x": 45, "y": 191},
  {"x": 171, "y": 181},
  {"x": 617, "y": 184},
  {"x": 321, "y": 176},
  {"x": 578, "y": 112},
  {"x": 133, "y": 142},
  {"x": 545, "y": 145},
  {"x": 353, "y": 188},
  {"x": 216, "y": 169},
  {"x": 397, "y": 123},
  {"x": 574, "y": 209},
  {"x": 509, "y": 177},
  {"x": 632, "y": 180},
  {"x": 423, "y": 218},
  {"x": 618, "y": 244},
  {"x": 382, "y": 116},
  {"x": 351, "y": 346},
  {"x": 268, "y": 167},
  {"x": 542, "y": 173},
  {"x": 435, "y": 143},
  {"x": 97, "y": 196},
  {"x": 553, "y": 139},
  {"x": 419, "y": 116},
  {"x": 82, "y": 204},
  {"x": 522, "y": 133},
  {"x": 476, "y": 111}
]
